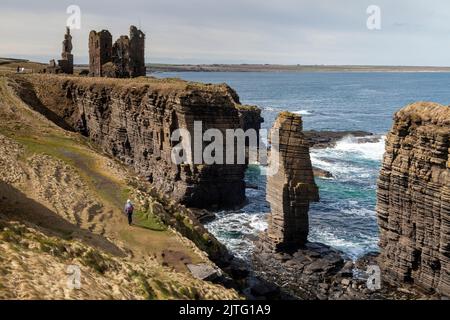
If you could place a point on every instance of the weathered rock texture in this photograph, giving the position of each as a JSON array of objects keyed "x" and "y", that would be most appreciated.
[
  {"x": 133, "y": 120},
  {"x": 414, "y": 198},
  {"x": 124, "y": 59},
  {"x": 283, "y": 255},
  {"x": 292, "y": 188}
]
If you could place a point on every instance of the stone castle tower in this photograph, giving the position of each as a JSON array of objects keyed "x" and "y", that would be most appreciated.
[
  {"x": 100, "y": 51},
  {"x": 65, "y": 64},
  {"x": 137, "y": 52},
  {"x": 124, "y": 59}
]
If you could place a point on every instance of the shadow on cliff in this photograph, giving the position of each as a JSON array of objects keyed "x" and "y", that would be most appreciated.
[
  {"x": 16, "y": 206},
  {"x": 26, "y": 91}
]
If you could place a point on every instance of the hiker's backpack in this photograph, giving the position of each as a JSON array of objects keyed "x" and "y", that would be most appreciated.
[{"x": 129, "y": 208}]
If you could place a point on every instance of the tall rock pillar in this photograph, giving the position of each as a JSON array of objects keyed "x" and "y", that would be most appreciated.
[{"x": 291, "y": 188}]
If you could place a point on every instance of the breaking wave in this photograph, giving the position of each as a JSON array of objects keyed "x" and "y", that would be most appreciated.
[
  {"x": 368, "y": 150},
  {"x": 302, "y": 112}
]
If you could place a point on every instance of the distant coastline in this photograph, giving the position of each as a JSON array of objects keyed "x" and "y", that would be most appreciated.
[
  {"x": 9, "y": 63},
  {"x": 287, "y": 68}
]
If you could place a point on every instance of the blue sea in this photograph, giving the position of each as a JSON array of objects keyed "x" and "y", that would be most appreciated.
[{"x": 345, "y": 217}]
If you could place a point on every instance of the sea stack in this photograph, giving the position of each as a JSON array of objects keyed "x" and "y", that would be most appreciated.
[
  {"x": 283, "y": 253},
  {"x": 414, "y": 198},
  {"x": 292, "y": 187}
]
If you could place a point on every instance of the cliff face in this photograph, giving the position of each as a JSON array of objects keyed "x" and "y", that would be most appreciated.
[
  {"x": 133, "y": 120},
  {"x": 414, "y": 198}
]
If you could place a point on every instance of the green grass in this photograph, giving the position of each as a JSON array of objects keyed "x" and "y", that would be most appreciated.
[
  {"x": 147, "y": 289},
  {"x": 148, "y": 221}
]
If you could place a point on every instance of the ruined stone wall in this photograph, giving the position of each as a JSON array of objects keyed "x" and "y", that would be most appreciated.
[
  {"x": 124, "y": 59},
  {"x": 100, "y": 51},
  {"x": 65, "y": 64},
  {"x": 133, "y": 120},
  {"x": 292, "y": 188},
  {"x": 137, "y": 53},
  {"x": 414, "y": 198},
  {"x": 121, "y": 57}
]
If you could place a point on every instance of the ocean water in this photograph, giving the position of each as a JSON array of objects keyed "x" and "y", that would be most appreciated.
[{"x": 345, "y": 217}]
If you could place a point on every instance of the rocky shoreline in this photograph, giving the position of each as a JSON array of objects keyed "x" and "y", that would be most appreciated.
[
  {"x": 328, "y": 139},
  {"x": 305, "y": 270}
]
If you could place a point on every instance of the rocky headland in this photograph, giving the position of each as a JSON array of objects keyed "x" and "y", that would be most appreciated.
[{"x": 133, "y": 120}]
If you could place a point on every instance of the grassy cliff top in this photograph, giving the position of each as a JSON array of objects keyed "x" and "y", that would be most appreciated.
[
  {"x": 168, "y": 85},
  {"x": 426, "y": 112}
]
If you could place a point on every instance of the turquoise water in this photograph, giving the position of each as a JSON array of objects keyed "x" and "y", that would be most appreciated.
[{"x": 345, "y": 217}]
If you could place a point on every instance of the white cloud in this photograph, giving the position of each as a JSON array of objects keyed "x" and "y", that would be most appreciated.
[{"x": 275, "y": 31}]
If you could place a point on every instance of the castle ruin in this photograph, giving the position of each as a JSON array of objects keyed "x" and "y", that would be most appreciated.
[
  {"x": 65, "y": 64},
  {"x": 123, "y": 59}
]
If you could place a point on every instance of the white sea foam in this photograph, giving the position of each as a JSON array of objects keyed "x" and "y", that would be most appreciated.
[
  {"x": 367, "y": 150},
  {"x": 302, "y": 112},
  {"x": 259, "y": 222},
  {"x": 347, "y": 161},
  {"x": 352, "y": 248},
  {"x": 337, "y": 164},
  {"x": 343, "y": 159},
  {"x": 358, "y": 211}
]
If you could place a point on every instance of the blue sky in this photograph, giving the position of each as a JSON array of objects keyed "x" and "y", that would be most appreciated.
[{"x": 413, "y": 32}]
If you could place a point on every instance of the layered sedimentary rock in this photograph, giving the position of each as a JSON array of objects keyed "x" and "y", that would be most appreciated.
[
  {"x": 292, "y": 187},
  {"x": 133, "y": 120},
  {"x": 283, "y": 254},
  {"x": 414, "y": 198}
]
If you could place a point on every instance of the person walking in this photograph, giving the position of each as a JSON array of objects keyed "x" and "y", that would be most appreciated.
[{"x": 129, "y": 208}]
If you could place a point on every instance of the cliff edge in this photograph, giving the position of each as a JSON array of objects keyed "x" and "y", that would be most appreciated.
[
  {"x": 133, "y": 120},
  {"x": 414, "y": 198}
]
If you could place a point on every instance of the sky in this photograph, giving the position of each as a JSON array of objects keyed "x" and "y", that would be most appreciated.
[{"x": 308, "y": 32}]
